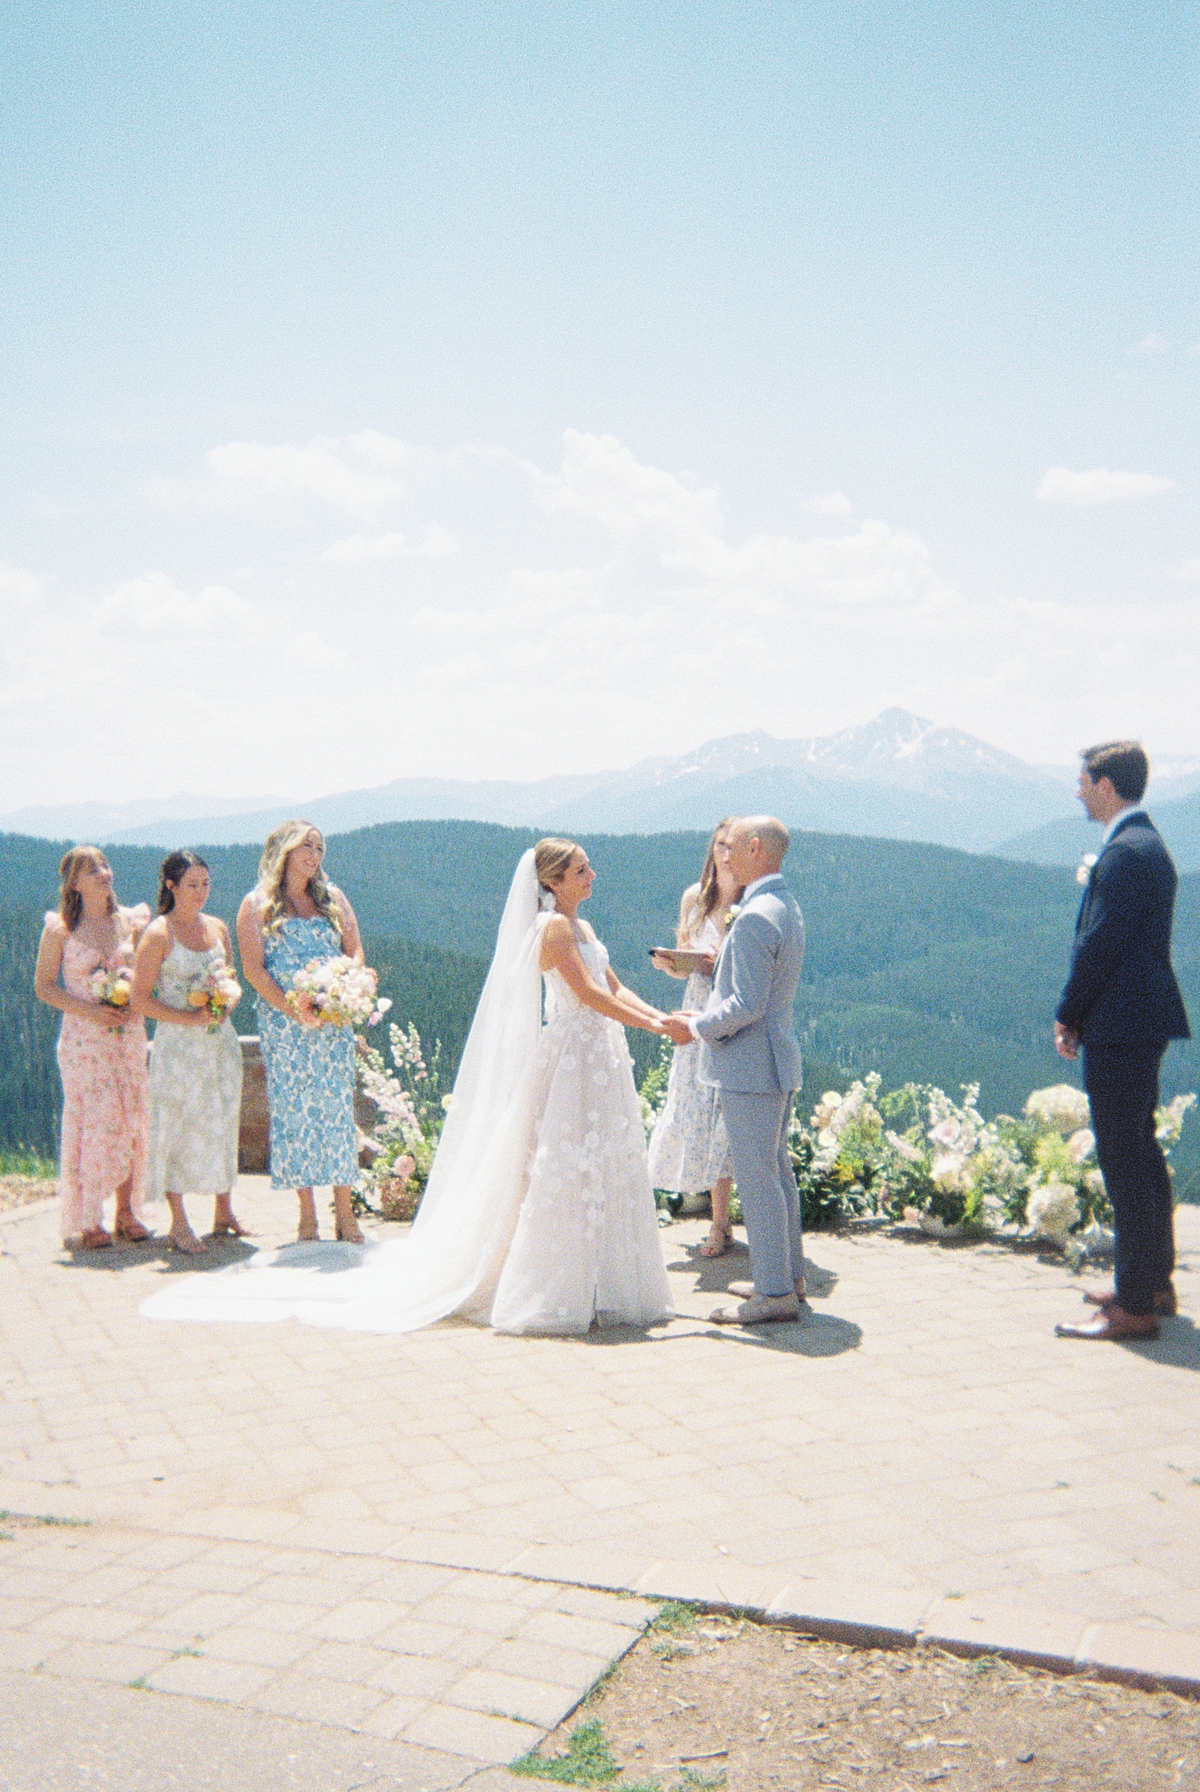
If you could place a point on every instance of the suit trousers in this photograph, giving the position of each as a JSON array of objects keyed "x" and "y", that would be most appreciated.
[
  {"x": 757, "y": 1126},
  {"x": 1122, "y": 1087}
]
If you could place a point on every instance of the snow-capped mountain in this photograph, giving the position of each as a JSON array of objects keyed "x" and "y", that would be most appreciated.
[{"x": 898, "y": 777}]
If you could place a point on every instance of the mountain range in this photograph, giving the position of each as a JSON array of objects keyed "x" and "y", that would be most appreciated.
[{"x": 898, "y": 777}]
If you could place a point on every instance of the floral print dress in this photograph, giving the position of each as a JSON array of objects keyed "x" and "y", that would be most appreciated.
[
  {"x": 195, "y": 1088},
  {"x": 105, "y": 1091},
  {"x": 689, "y": 1150},
  {"x": 310, "y": 1071}
]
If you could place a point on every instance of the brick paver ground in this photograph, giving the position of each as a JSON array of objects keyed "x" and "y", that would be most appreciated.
[{"x": 372, "y": 1531}]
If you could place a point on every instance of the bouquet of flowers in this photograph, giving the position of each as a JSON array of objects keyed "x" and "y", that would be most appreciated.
[
  {"x": 216, "y": 990},
  {"x": 113, "y": 988},
  {"x": 336, "y": 992}
]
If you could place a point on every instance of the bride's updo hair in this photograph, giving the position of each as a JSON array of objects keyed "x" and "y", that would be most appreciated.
[{"x": 551, "y": 859}]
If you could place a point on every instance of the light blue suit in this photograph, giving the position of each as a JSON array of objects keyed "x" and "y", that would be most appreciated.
[{"x": 750, "y": 1050}]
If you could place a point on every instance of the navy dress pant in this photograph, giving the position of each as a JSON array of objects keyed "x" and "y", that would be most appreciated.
[{"x": 1122, "y": 1087}]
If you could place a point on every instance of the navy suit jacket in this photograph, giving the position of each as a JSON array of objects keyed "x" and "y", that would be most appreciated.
[{"x": 1122, "y": 990}]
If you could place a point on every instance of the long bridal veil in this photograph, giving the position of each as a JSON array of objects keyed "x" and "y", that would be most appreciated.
[{"x": 451, "y": 1261}]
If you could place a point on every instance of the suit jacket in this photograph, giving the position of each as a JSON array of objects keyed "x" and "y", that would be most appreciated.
[
  {"x": 748, "y": 1030},
  {"x": 1121, "y": 989}
]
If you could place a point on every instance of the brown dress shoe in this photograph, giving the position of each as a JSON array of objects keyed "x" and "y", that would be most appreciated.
[
  {"x": 1165, "y": 1302},
  {"x": 1114, "y": 1323}
]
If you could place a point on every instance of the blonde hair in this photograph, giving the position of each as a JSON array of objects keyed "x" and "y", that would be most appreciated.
[
  {"x": 552, "y": 858},
  {"x": 70, "y": 902},
  {"x": 272, "y": 873},
  {"x": 708, "y": 893}
]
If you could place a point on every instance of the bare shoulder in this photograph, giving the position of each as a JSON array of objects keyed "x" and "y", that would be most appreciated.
[
  {"x": 54, "y": 927},
  {"x": 158, "y": 930},
  {"x": 556, "y": 929}
]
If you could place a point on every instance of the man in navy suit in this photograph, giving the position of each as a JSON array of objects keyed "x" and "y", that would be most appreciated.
[{"x": 1122, "y": 1006}]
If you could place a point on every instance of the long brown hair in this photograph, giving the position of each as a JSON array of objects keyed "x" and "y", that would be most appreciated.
[
  {"x": 272, "y": 872},
  {"x": 708, "y": 894},
  {"x": 70, "y": 902}
]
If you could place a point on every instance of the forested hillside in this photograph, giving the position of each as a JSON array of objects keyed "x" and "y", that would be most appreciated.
[{"x": 922, "y": 962}]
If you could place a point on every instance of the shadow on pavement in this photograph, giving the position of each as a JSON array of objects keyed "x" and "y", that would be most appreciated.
[
  {"x": 220, "y": 1254},
  {"x": 1177, "y": 1344}
]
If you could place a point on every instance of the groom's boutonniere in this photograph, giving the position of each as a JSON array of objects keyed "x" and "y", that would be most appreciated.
[
  {"x": 731, "y": 914},
  {"x": 1086, "y": 866}
]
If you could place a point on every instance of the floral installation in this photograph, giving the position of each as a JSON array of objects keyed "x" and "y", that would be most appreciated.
[
  {"x": 337, "y": 992},
  {"x": 915, "y": 1156},
  {"x": 412, "y": 1108},
  {"x": 112, "y": 988},
  {"x": 216, "y": 989}
]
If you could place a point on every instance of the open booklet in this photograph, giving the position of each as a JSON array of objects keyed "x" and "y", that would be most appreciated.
[{"x": 683, "y": 961}]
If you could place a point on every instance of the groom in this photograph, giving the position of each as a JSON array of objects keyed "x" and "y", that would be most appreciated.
[{"x": 750, "y": 1051}]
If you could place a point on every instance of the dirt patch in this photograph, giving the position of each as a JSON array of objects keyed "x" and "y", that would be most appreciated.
[
  {"x": 19, "y": 1191},
  {"x": 711, "y": 1702}
]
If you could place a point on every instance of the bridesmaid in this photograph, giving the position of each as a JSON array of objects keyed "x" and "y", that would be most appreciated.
[
  {"x": 291, "y": 917},
  {"x": 101, "y": 1053},
  {"x": 195, "y": 1074},
  {"x": 689, "y": 1150}
]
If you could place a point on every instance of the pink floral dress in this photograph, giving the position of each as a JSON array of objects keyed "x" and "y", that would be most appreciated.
[{"x": 106, "y": 1092}]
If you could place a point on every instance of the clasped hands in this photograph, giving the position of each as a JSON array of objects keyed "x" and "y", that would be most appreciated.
[{"x": 677, "y": 1029}]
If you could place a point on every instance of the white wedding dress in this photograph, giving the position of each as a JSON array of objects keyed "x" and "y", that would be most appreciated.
[{"x": 539, "y": 1215}]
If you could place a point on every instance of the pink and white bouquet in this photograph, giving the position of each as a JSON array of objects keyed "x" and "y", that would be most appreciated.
[
  {"x": 336, "y": 992},
  {"x": 217, "y": 990}
]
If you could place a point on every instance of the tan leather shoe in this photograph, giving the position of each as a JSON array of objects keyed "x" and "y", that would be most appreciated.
[
  {"x": 1164, "y": 1301},
  {"x": 760, "y": 1309},
  {"x": 1113, "y": 1323},
  {"x": 745, "y": 1290}
]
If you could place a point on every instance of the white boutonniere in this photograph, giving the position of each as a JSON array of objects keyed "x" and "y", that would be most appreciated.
[
  {"x": 731, "y": 914},
  {"x": 1086, "y": 866}
]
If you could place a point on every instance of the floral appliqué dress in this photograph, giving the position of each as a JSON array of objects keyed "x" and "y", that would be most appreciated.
[
  {"x": 689, "y": 1150},
  {"x": 195, "y": 1088},
  {"x": 105, "y": 1091},
  {"x": 586, "y": 1247},
  {"x": 310, "y": 1071}
]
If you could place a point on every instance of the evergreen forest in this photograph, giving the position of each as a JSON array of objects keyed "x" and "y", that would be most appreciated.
[{"x": 922, "y": 962}]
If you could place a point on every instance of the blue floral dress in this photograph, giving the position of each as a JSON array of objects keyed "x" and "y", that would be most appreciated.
[{"x": 310, "y": 1071}]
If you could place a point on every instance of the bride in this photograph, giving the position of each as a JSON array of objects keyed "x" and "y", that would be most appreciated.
[{"x": 538, "y": 1215}]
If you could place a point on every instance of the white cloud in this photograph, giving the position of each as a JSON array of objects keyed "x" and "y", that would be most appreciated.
[
  {"x": 155, "y": 606},
  {"x": 828, "y": 504},
  {"x": 309, "y": 651},
  {"x": 322, "y": 470},
  {"x": 602, "y": 480},
  {"x": 1099, "y": 486},
  {"x": 368, "y": 547},
  {"x": 438, "y": 544},
  {"x": 1150, "y": 345},
  {"x": 19, "y": 590}
]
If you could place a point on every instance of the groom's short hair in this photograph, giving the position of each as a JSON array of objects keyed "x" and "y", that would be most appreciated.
[
  {"x": 1124, "y": 763},
  {"x": 772, "y": 834}
]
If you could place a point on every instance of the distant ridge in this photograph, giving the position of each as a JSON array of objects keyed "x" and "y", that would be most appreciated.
[
  {"x": 1063, "y": 842},
  {"x": 898, "y": 777}
]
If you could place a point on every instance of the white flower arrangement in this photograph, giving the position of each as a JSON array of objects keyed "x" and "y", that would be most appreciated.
[{"x": 1061, "y": 1107}]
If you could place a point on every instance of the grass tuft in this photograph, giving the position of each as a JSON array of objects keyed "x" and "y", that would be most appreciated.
[{"x": 588, "y": 1762}]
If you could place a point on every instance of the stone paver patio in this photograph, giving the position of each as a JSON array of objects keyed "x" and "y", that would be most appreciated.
[{"x": 399, "y": 1534}]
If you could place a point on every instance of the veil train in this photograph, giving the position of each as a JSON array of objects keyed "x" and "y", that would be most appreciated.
[{"x": 451, "y": 1261}]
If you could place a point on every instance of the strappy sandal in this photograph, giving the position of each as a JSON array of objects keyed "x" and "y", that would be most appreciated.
[
  {"x": 718, "y": 1241},
  {"x": 348, "y": 1236},
  {"x": 187, "y": 1244},
  {"x": 230, "y": 1228},
  {"x": 131, "y": 1231}
]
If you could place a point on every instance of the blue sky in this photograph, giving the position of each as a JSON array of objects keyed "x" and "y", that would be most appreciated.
[{"x": 557, "y": 384}]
